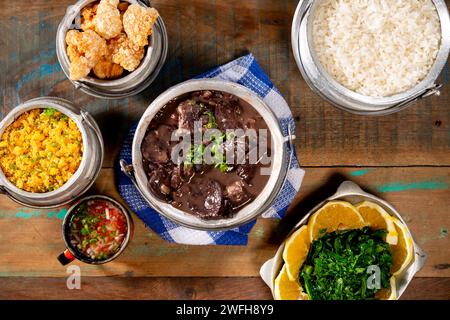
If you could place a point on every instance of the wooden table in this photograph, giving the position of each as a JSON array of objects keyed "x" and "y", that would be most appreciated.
[{"x": 404, "y": 158}]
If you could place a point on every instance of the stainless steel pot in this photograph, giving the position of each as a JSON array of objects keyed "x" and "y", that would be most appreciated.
[
  {"x": 336, "y": 94},
  {"x": 348, "y": 191},
  {"x": 128, "y": 85},
  {"x": 86, "y": 173},
  {"x": 280, "y": 160}
]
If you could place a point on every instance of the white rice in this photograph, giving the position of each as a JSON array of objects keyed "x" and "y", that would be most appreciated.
[{"x": 377, "y": 47}]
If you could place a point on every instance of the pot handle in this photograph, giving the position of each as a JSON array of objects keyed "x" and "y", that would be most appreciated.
[
  {"x": 66, "y": 257},
  {"x": 85, "y": 118},
  {"x": 290, "y": 140},
  {"x": 128, "y": 170},
  {"x": 431, "y": 91}
]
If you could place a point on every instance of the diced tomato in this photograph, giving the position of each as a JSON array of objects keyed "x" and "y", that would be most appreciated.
[{"x": 98, "y": 229}]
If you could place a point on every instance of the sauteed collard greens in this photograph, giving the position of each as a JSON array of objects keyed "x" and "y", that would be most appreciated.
[{"x": 336, "y": 266}]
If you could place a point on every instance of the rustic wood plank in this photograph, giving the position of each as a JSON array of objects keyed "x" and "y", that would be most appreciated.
[
  {"x": 179, "y": 288},
  {"x": 420, "y": 194},
  {"x": 204, "y": 34}
]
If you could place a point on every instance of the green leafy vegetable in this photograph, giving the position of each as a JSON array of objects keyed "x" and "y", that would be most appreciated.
[{"x": 337, "y": 264}]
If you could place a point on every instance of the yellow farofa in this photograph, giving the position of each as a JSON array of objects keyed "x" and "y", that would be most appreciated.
[{"x": 40, "y": 150}]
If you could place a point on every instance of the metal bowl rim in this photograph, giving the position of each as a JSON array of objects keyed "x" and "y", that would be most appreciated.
[{"x": 187, "y": 219}]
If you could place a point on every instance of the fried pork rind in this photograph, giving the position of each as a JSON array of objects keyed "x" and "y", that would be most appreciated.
[
  {"x": 85, "y": 50},
  {"x": 107, "y": 21},
  {"x": 87, "y": 17},
  {"x": 106, "y": 69},
  {"x": 138, "y": 22},
  {"x": 125, "y": 53}
]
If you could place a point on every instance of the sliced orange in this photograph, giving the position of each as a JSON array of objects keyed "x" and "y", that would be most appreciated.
[
  {"x": 295, "y": 252},
  {"x": 377, "y": 218},
  {"x": 403, "y": 251},
  {"x": 335, "y": 215},
  {"x": 388, "y": 294},
  {"x": 285, "y": 289}
]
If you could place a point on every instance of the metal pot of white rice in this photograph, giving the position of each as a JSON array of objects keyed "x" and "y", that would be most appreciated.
[{"x": 371, "y": 57}]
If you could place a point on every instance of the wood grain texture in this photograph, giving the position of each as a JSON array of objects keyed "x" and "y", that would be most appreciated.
[
  {"x": 179, "y": 288},
  {"x": 204, "y": 34},
  {"x": 404, "y": 158},
  {"x": 421, "y": 195}
]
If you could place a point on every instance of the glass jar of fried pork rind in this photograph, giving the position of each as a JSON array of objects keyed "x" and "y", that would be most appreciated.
[{"x": 111, "y": 49}]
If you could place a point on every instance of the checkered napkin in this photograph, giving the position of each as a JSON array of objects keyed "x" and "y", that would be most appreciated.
[{"x": 247, "y": 72}]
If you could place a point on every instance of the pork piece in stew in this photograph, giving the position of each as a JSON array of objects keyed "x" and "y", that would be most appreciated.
[{"x": 218, "y": 188}]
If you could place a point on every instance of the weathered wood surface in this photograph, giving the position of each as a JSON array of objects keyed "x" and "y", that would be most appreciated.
[
  {"x": 405, "y": 158},
  {"x": 178, "y": 288},
  {"x": 203, "y": 34},
  {"x": 420, "y": 194}
]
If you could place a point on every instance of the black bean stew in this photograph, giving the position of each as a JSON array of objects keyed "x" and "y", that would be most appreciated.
[{"x": 210, "y": 190}]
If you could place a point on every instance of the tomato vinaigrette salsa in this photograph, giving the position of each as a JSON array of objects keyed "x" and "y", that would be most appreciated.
[{"x": 97, "y": 229}]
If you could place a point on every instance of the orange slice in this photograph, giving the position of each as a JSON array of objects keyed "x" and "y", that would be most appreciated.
[
  {"x": 335, "y": 215},
  {"x": 295, "y": 252},
  {"x": 403, "y": 251},
  {"x": 388, "y": 294},
  {"x": 377, "y": 218},
  {"x": 285, "y": 289}
]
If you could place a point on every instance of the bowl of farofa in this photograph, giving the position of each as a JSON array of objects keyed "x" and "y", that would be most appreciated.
[
  {"x": 50, "y": 152},
  {"x": 371, "y": 57},
  {"x": 111, "y": 48}
]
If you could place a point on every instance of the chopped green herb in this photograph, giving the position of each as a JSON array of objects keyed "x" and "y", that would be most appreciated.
[
  {"x": 196, "y": 153},
  {"x": 337, "y": 263},
  {"x": 211, "y": 120}
]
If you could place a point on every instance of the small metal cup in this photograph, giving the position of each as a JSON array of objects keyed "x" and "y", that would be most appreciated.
[{"x": 72, "y": 253}]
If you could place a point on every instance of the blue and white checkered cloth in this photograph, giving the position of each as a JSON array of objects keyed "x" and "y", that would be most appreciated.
[{"x": 247, "y": 72}]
